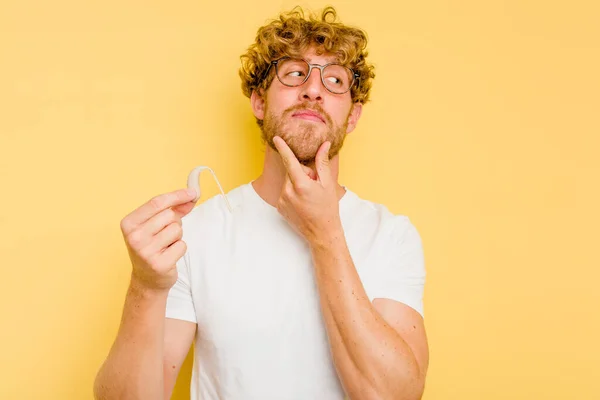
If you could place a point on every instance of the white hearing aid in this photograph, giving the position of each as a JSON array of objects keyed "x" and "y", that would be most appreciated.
[{"x": 193, "y": 183}]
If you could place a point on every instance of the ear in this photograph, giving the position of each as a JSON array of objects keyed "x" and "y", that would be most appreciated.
[
  {"x": 258, "y": 104},
  {"x": 354, "y": 117}
]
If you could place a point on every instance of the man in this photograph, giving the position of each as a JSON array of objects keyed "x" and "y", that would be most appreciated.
[{"x": 304, "y": 290}]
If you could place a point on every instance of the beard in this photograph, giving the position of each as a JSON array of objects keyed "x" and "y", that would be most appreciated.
[{"x": 304, "y": 137}]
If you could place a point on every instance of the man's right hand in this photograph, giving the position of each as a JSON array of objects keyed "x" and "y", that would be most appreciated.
[{"x": 153, "y": 235}]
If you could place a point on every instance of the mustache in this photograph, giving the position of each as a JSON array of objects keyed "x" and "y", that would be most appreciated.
[{"x": 315, "y": 108}]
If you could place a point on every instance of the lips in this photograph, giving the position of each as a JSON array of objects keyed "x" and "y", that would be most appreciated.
[{"x": 310, "y": 115}]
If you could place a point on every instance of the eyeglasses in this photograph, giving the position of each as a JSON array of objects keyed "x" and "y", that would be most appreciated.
[{"x": 293, "y": 72}]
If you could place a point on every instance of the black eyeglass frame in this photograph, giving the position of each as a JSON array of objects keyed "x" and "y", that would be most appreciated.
[{"x": 355, "y": 75}]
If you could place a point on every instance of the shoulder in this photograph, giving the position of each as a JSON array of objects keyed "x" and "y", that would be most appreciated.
[
  {"x": 396, "y": 227},
  {"x": 393, "y": 265}
]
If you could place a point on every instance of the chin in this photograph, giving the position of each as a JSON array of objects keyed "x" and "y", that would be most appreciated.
[
  {"x": 304, "y": 137},
  {"x": 306, "y": 159},
  {"x": 305, "y": 144}
]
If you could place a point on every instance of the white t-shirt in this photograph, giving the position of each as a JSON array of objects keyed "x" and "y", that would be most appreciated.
[{"x": 247, "y": 280}]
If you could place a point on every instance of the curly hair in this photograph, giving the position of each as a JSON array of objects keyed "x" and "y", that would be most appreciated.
[{"x": 292, "y": 33}]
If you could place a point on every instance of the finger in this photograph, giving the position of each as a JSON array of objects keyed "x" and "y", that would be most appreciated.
[
  {"x": 165, "y": 238},
  {"x": 322, "y": 163},
  {"x": 184, "y": 209},
  {"x": 161, "y": 220},
  {"x": 292, "y": 165},
  {"x": 174, "y": 252},
  {"x": 287, "y": 193},
  {"x": 155, "y": 206},
  {"x": 309, "y": 171}
]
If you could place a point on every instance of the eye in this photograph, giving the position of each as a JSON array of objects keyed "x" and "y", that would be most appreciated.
[
  {"x": 296, "y": 73},
  {"x": 335, "y": 80}
]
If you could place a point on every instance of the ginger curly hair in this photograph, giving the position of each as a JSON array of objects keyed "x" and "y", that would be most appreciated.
[{"x": 291, "y": 34}]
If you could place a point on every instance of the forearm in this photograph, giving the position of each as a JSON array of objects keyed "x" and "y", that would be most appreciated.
[
  {"x": 134, "y": 366},
  {"x": 372, "y": 359}
]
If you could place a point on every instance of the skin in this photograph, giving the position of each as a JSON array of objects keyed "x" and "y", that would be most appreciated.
[
  {"x": 379, "y": 349},
  {"x": 149, "y": 349},
  {"x": 278, "y": 106}
]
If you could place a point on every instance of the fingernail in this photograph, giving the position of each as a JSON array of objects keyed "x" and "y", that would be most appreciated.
[{"x": 192, "y": 192}]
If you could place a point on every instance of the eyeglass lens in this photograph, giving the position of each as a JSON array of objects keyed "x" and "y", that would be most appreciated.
[{"x": 336, "y": 78}]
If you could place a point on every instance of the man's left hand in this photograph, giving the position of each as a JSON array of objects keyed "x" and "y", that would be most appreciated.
[{"x": 309, "y": 200}]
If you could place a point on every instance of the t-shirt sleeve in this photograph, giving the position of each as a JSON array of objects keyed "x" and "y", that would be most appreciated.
[
  {"x": 401, "y": 276},
  {"x": 180, "y": 304}
]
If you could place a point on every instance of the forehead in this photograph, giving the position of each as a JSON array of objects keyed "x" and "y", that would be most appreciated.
[{"x": 317, "y": 56}]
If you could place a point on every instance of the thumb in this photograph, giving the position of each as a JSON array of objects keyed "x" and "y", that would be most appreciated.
[{"x": 322, "y": 162}]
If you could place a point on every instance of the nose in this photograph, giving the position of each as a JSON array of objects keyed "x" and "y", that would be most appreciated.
[{"x": 312, "y": 89}]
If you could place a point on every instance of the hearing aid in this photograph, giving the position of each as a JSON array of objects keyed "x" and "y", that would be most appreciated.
[{"x": 193, "y": 183}]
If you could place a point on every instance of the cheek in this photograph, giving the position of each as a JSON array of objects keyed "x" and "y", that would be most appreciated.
[
  {"x": 340, "y": 114},
  {"x": 280, "y": 98}
]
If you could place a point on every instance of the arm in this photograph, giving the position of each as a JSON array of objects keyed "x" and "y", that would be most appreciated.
[
  {"x": 148, "y": 352},
  {"x": 145, "y": 358},
  {"x": 380, "y": 349},
  {"x": 179, "y": 335}
]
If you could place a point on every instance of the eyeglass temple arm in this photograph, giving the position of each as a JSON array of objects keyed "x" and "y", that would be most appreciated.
[{"x": 268, "y": 69}]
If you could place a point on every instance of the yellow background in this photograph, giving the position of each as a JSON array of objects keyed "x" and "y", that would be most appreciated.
[{"x": 483, "y": 128}]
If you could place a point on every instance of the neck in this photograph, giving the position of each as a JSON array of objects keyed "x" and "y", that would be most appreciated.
[{"x": 270, "y": 183}]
